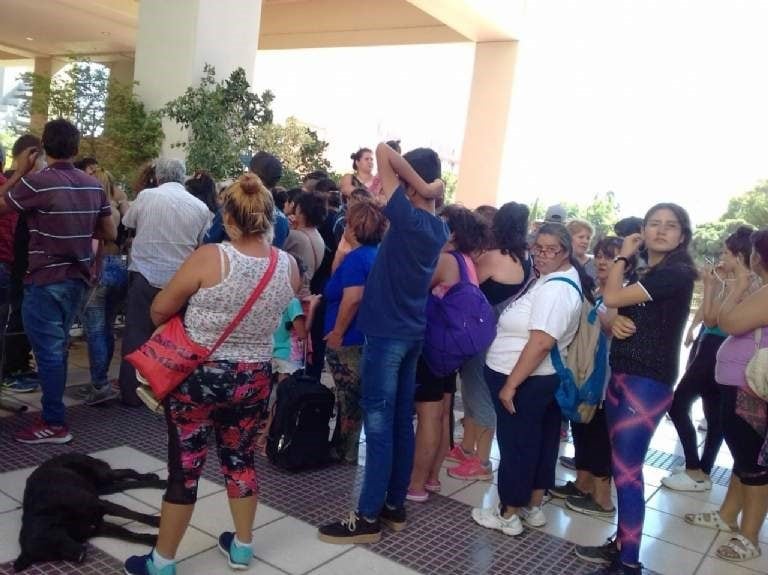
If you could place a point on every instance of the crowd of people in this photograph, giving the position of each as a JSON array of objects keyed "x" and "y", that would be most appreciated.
[{"x": 348, "y": 269}]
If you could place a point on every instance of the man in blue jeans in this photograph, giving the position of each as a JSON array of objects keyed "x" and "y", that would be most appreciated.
[
  {"x": 392, "y": 318},
  {"x": 64, "y": 208}
]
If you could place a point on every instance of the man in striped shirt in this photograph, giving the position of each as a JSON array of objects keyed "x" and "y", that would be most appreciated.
[{"x": 65, "y": 208}]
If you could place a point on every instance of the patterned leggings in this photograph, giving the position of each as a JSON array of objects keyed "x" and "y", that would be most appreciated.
[
  {"x": 230, "y": 399},
  {"x": 345, "y": 368},
  {"x": 634, "y": 406}
]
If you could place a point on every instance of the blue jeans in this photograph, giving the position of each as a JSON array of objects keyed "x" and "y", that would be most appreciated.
[
  {"x": 388, "y": 383},
  {"x": 99, "y": 317},
  {"x": 48, "y": 312}
]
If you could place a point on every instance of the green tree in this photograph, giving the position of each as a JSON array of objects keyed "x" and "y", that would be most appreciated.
[
  {"x": 219, "y": 118},
  {"x": 131, "y": 136},
  {"x": 751, "y": 206},
  {"x": 451, "y": 180},
  {"x": 298, "y": 146},
  {"x": 708, "y": 239},
  {"x": 602, "y": 212},
  {"x": 114, "y": 125}
]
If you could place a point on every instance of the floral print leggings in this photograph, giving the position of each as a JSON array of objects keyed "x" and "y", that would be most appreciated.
[
  {"x": 345, "y": 369},
  {"x": 230, "y": 399}
]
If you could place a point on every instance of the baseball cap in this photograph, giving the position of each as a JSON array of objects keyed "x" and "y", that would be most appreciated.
[{"x": 556, "y": 214}]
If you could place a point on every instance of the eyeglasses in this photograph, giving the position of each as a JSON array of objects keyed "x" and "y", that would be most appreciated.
[{"x": 546, "y": 251}]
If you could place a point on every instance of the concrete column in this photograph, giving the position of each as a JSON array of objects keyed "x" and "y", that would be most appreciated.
[
  {"x": 486, "y": 129},
  {"x": 43, "y": 67},
  {"x": 122, "y": 71},
  {"x": 176, "y": 38}
]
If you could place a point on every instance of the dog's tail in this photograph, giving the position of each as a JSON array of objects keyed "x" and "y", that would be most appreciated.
[{"x": 22, "y": 562}]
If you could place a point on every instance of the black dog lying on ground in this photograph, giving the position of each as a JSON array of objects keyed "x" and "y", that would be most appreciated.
[{"x": 62, "y": 509}]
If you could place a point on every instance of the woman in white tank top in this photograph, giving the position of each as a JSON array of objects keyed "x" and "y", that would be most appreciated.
[{"x": 228, "y": 394}]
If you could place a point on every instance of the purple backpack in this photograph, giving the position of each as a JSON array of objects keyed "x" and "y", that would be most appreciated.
[{"x": 460, "y": 325}]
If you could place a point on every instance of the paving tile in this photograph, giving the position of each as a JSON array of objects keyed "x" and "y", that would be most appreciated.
[
  {"x": 154, "y": 497},
  {"x": 194, "y": 542},
  {"x": 713, "y": 566},
  {"x": 360, "y": 560},
  {"x": 575, "y": 527},
  {"x": 10, "y": 524},
  {"x": 760, "y": 564},
  {"x": 8, "y": 504},
  {"x": 293, "y": 546},
  {"x": 126, "y": 457},
  {"x": 668, "y": 559},
  {"x": 213, "y": 562},
  {"x": 676, "y": 503},
  {"x": 212, "y": 514}
]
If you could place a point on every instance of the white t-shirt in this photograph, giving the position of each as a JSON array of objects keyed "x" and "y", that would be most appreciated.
[{"x": 549, "y": 306}]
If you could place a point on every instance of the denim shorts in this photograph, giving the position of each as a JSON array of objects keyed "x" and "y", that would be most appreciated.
[{"x": 475, "y": 394}]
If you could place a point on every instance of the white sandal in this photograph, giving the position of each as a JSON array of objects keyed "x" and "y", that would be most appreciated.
[
  {"x": 739, "y": 548},
  {"x": 710, "y": 520}
]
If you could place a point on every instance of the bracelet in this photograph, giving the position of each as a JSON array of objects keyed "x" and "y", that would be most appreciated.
[{"x": 618, "y": 259}]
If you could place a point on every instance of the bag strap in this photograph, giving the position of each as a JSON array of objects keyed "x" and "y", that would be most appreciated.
[
  {"x": 463, "y": 274},
  {"x": 258, "y": 290},
  {"x": 503, "y": 306},
  {"x": 312, "y": 247},
  {"x": 569, "y": 282}
]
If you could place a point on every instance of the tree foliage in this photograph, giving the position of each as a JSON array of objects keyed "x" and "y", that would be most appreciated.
[
  {"x": 296, "y": 144},
  {"x": 219, "y": 117},
  {"x": 751, "y": 206},
  {"x": 602, "y": 212},
  {"x": 114, "y": 125},
  {"x": 709, "y": 238}
]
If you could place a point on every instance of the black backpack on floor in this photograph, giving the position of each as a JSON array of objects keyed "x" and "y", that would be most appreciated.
[{"x": 299, "y": 435}]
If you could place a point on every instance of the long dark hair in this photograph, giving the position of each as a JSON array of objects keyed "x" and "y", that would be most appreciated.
[
  {"x": 510, "y": 228},
  {"x": 561, "y": 233},
  {"x": 679, "y": 256}
]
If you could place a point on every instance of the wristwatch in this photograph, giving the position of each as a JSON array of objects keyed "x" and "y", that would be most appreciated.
[{"x": 621, "y": 259}]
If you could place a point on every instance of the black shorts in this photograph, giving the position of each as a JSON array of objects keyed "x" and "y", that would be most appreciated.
[
  {"x": 592, "y": 446},
  {"x": 429, "y": 387},
  {"x": 743, "y": 441}
]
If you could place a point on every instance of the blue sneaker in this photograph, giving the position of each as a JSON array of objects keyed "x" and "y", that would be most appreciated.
[
  {"x": 143, "y": 565},
  {"x": 237, "y": 557}
]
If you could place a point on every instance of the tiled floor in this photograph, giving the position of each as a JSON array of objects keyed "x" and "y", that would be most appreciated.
[{"x": 441, "y": 537}]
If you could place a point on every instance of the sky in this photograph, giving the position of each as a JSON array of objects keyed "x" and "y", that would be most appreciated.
[{"x": 656, "y": 100}]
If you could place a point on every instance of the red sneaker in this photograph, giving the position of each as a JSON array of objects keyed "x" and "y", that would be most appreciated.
[
  {"x": 471, "y": 470},
  {"x": 42, "y": 432},
  {"x": 456, "y": 455}
]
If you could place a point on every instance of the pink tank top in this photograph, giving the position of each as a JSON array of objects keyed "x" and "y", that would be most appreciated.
[{"x": 733, "y": 357}]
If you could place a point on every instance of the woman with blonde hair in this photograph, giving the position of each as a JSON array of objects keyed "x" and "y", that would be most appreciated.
[{"x": 229, "y": 393}]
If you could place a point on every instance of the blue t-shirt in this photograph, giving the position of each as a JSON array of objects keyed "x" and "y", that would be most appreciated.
[
  {"x": 217, "y": 234},
  {"x": 396, "y": 291},
  {"x": 353, "y": 271}
]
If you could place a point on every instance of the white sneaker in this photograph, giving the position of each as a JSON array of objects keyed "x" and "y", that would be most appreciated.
[
  {"x": 684, "y": 482},
  {"x": 491, "y": 519},
  {"x": 533, "y": 516}
]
